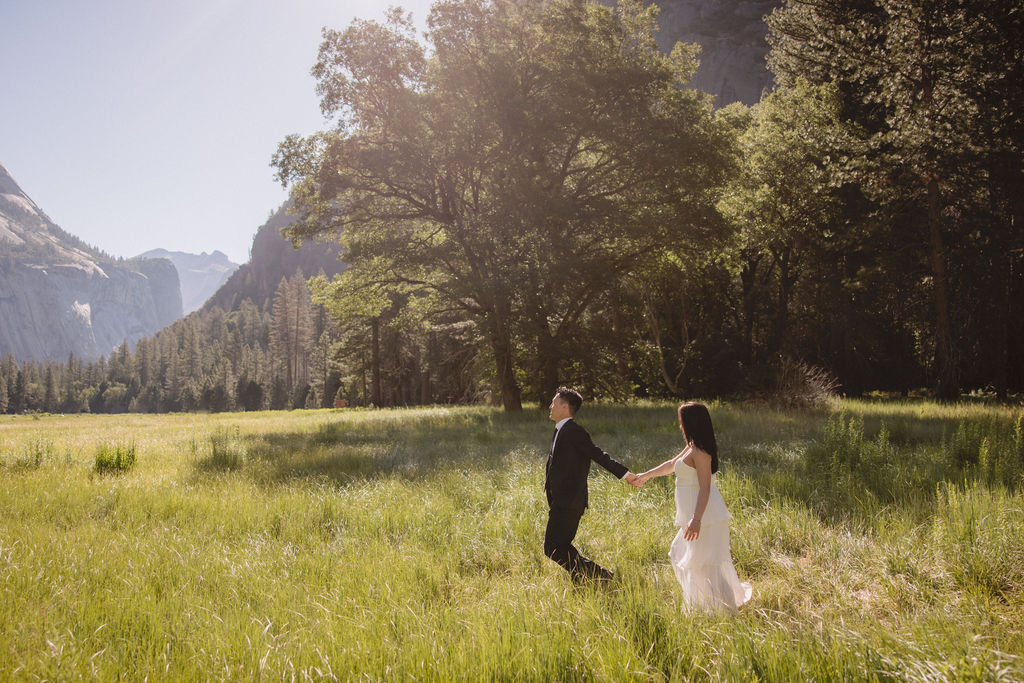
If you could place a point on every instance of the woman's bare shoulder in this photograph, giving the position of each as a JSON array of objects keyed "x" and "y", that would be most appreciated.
[{"x": 699, "y": 452}]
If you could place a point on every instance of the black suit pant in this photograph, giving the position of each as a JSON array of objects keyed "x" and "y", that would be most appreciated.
[{"x": 558, "y": 537}]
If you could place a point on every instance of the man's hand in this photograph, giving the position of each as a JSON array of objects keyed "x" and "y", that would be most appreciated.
[{"x": 633, "y": 480}]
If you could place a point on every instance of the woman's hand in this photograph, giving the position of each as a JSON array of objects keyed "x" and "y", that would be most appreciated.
[{"x": 692, "y": 530}]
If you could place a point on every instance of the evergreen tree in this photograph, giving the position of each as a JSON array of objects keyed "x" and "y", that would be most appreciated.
[
  {"x": 17, "y": 397},
  {"x": 248, "y": 394},
  {"x": 50, "y": 397},
  {"x": 290, "y": 329},
  {"x": 320, "y": 366},
  {"x": 278, "y": 394},
  {"x": 9, "y": 371}
]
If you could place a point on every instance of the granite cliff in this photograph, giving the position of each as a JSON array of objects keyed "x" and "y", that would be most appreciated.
[
  {"x": 200, "y": 274},
  {"x": 58, "y": 295},
  {"x": 731, "y": 34},
  {"x": 271, "y": 258}
]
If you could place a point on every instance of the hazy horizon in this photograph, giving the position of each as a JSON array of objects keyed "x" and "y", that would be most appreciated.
[{"x": 137, "y": 127}]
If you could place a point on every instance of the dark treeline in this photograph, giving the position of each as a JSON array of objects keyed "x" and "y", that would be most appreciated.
[{"x": 530, "y": 196}]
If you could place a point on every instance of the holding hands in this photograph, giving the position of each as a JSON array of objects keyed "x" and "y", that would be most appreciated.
[{"x": 637, "y": 480}]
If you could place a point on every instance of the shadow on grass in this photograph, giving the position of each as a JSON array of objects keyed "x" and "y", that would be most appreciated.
[
  {"x": 856, "y": 465},
  {"x": 406, "y": 444},
  {"x": 843, "y": 466},
  {"x": 421, "y": 443}
]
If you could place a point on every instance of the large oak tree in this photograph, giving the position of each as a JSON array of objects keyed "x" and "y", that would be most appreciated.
[{"x": 513, "y": 166}]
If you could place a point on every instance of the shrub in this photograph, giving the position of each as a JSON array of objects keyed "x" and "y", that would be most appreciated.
[
  {"x": 840, "y": 445},
  {"x": 989, "y": 451},
  {"x": 227, "y": 452},
  {"x": 845, "y": 463},
  {"x": 799, "y": 385},
  {"x": 36, "y": 453},
  {"x": 115, "y": 459},
  {"x": 978, "y": 530},
  {"x": 965, "y": 445},
  {"x": 327, "y": 434}
]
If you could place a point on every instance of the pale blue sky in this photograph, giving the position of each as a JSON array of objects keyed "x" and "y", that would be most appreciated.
[{"x": 142, "y": 124}]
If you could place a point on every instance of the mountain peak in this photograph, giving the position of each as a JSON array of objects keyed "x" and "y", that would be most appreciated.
[
  {"x": 7, "y": 183},
  {"x": 62, "y": 296},
  {"x": 200, "y": 274}
]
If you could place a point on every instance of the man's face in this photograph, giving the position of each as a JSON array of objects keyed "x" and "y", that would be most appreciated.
[{"x": 559, "y": 409}]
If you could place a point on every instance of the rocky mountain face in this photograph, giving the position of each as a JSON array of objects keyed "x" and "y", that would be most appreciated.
[
  {"x": 200, "y": 274},
  {"x": 271, "y": 258},
  {"x": 731, "y": 34},
  {"x": 58, "y": 295}
]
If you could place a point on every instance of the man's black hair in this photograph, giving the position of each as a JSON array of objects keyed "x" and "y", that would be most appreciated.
[{"x": 572, "y": 397}]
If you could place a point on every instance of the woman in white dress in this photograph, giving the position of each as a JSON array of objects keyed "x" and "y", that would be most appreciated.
[{"x": 700, "y": 552}]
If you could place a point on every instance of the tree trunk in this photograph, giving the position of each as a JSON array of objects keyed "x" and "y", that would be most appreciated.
[
  {"x": 748, "y": 283},
  {"x": 1015, "y": 331},
  {"x": 1000, "y": 208},
  {"x": 945, "y": 365},
  {"x": 501, "y": 345},
  {"x": 375, "y": 386},
  {"x": 547, "y": 359},
  {"x": 425, "y": 393},
  {"x": 549, "y": 382},
  {"x": 619, "y": 332},
  {"x": 786, "y": 282},
  {"x": 362, "y": 379}
]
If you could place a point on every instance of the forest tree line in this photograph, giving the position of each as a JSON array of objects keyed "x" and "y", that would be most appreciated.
[
  {"x": 247, "y": 359},
  {"x": 530, "y": 195}
]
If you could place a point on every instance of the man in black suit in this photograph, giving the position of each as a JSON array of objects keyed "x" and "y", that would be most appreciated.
[{"x": 565, "y": 483}]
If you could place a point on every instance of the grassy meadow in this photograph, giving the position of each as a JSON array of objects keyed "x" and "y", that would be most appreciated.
[{"x": 884, "y": 541}]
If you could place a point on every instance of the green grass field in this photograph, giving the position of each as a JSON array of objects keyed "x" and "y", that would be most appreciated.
[{"x": 884, "y": 541}]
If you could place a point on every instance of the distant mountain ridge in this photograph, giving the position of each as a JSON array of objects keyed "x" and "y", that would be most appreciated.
[
  {"x": 200, "y": 274},
  {"x": 59, "y": 295},
  {"x": 272, "y": 257}
]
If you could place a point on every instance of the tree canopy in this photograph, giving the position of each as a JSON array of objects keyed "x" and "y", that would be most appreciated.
[{"x": 512, "y": 167}]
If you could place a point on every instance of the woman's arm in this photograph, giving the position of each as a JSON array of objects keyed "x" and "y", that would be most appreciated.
[
  {"x": 661, "y": 470},
  {"x": 702, "y": 463}
]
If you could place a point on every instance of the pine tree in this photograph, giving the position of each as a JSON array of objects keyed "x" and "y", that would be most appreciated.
[
  {"x": 192, "y": 355},
  {"x": 290, "y": 329},
  {"x": 50, "y": 399},
  {"x": 320, "y": 365},
  {"x": 17, "y": 399},
  {"x": 9, "y": 370}
]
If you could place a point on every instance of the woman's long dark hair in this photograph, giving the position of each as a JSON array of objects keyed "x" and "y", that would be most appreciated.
[{"x": 696, "y": 422}]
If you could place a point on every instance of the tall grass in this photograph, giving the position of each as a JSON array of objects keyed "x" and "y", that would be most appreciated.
[{"x": 405, "y": 544}]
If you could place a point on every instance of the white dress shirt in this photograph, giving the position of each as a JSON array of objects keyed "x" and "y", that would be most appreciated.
[{"x": 558, "y": 429}]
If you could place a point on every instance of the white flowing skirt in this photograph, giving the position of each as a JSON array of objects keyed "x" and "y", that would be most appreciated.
[{"x": 705, "y": 571}]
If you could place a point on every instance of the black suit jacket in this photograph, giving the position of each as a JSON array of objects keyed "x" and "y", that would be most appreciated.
[{"x": 567, "y": 468}]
